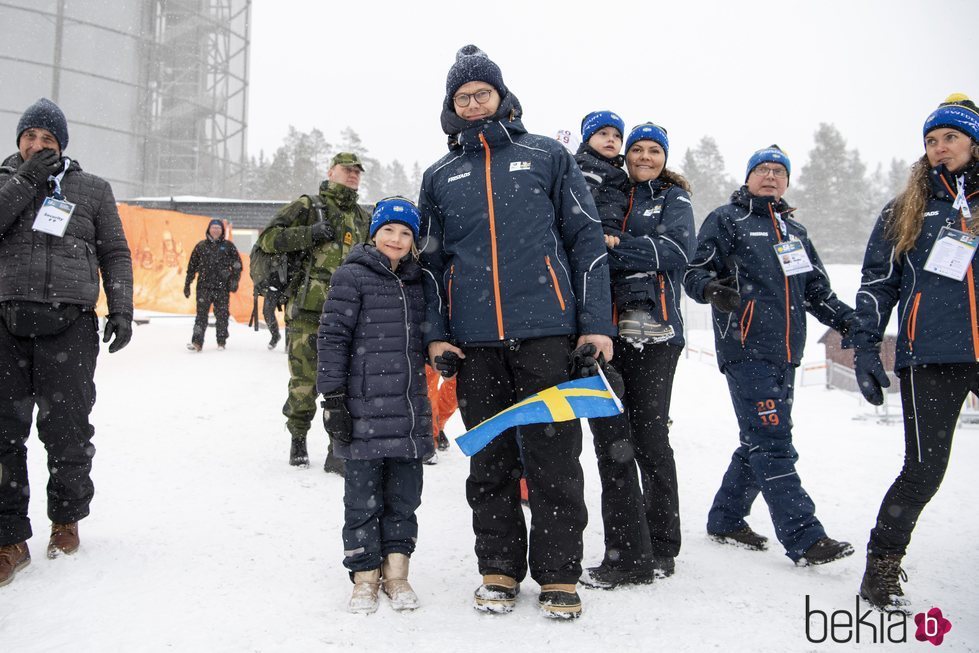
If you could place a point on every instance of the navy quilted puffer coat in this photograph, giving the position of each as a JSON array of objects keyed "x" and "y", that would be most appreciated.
[{"x": 370, "y": 348}]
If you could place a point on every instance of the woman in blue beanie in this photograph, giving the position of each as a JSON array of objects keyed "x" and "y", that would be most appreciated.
[
  {"x": 920, "y": 257},
  {"x": 375, "y": 406},
  {"x": 649, "y": 248}
]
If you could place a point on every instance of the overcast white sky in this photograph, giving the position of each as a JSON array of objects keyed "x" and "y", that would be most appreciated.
[{"x": 747, "y": 73}]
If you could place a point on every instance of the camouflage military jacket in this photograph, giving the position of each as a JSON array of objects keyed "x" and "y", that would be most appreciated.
[{"x": 290, "y": 232}]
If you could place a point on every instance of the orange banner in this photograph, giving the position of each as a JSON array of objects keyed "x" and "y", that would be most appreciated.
[{"x": 161, "y": 242}]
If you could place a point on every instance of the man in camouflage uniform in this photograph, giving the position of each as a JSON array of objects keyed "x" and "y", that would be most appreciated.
[{"x": 325, "y": 228}]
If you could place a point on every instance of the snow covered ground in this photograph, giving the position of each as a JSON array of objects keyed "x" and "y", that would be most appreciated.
[{"x": 202, "y": 538}]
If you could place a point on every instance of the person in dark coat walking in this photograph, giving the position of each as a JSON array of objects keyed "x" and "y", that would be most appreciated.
[
  {"x": 59, "y": 229},
  {"x": 371, "y": 372},
  {"x": 648, "y": 253},
  {"x": 217, "y": 265},
  {"x": 515, "y": 279},
  {"x": 761, "y": 274},
  {"x": 921, "y": 258}
]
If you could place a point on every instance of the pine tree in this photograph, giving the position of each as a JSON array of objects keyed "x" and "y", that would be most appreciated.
[
  {"x": 711, "y": 186},
  {"x": 835, "y": 200},
  {"x": 398, "y": 183}
]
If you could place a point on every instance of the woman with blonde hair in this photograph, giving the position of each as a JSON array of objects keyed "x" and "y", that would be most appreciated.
[{"x": 920, "y": 257}]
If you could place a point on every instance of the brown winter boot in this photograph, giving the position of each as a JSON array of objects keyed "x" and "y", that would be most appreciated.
[
  {"x": 559, "y": 601},
  {"x": 64, "y": 539},
  {"x": 13, "y": 558},
  {"x": 363, "y": 600},
  {"x": 394, "y": 582}
]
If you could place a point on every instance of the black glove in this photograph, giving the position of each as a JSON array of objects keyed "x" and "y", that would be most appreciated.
[
  {"x": 613, "y": 377},
  {"x": 447, "y": 364},
  {"x": 233, "y": 286},
  {"x": 871, "y": 377},
  {"x": 41, "y": 166},
  {"x": 187, "y": 291},
  {"x": 337, "y": 420},
  {"x": 723, "y": 294},
  {"x": 122, "y": 327},
  {"x": 584, "y": 361},
  {"x": 321, "y": 232}
]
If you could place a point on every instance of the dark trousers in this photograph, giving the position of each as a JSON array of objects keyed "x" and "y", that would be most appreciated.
[
  {"x": 380, "y": 498},
  {"x": 932, "y": 397},
  {"x": 494, "y": 378},
  {"x": 57, "y": 374},
  {"x": 639, "y": 521},
  {"x": 268, "y": 314},
  {"x": 762, "y": 394},
  {"x": 206, "y": 297}
]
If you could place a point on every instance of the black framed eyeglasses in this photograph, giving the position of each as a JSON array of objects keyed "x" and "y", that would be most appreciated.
[{"x": 481, "y": 96}]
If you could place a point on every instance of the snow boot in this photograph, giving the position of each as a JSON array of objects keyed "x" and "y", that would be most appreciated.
[
  {"x": 607, "y": 577},
  {"x": 332, "y": 464},
  {"x": 274, "y": 341},
  {"x": 881, "y": 585},
  {"x": 394, "y": 582},
  {"x": 442, "y": 441},
  {"x": 639, "y": 326},
  {"x": 825, "y": 550},
  {"x": 664, "y": 566},
  {"x": 745, "y": 538},
  {"x": 13, "y": 558},
  {"x": 193, "y": 346},
  {"x": 431, "y": 458},
  {"x": 64, "y": 539},
  {"x": 559, "y": 601},
  {"x": 221, "y": 345},
  {"x": 363, "y": 600},
  {"x": 497, "y": 594},
  {"x": 298, "y": 457}
]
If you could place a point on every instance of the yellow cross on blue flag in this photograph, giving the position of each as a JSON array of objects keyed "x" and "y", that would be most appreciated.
[{"x": 587, "y": 397}]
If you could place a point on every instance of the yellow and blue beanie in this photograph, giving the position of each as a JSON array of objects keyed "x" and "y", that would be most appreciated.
[
  {"x": 395, "y": 209},
  {"x": 598, "y": 119},
  {"x": 771, "y": 154},
  {"x": 649, "y": 132},
  {"x": 957, "y": 112}
]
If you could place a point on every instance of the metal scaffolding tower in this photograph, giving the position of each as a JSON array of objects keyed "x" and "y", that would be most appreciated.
[{"x": 195, "y": 105}]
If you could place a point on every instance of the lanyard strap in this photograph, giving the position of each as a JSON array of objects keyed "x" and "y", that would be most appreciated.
[
  {"x": 961, "y": 203},
  {"x": 57, "y": 180}
]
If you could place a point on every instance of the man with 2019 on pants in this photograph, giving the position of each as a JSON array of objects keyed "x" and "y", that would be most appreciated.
[{"x": 58, "y": 228}]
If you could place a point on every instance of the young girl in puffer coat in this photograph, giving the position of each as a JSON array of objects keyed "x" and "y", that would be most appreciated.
[{"x": 372, "y": 374}]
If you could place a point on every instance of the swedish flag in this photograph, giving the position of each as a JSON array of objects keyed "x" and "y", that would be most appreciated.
[{"x": 588, "y": 397}]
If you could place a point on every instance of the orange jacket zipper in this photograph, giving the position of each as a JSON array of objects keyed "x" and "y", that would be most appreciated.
[
  {"x": 557, "y": 288},
  {"x": 788, "y": 321},
  {"x": 628, "y": 211},
  {"x": 452, "y": 270},
  {"x": 662, "y": 295},
  {"x": 492, "y": 226},
  {"x": 746, "y": 317},
  {"x": 970, "y": 276}
]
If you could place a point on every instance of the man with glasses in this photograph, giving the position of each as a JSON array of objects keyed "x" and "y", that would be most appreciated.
[
  {"x": 759, "y": 271},
  {"x": 516, "y": 278},
  {"x": 325, "y": 228}
]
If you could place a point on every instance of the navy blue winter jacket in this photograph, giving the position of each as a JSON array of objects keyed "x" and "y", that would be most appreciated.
[
  {"x": 370, "y": 348},
  {"x": 738, "y": 240},
  {"x": 937, "y": 314},
  {"x": 657, "y": 241},
  {"x": 512, "y": 245},
  {"x": 609, "y": 186}
]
